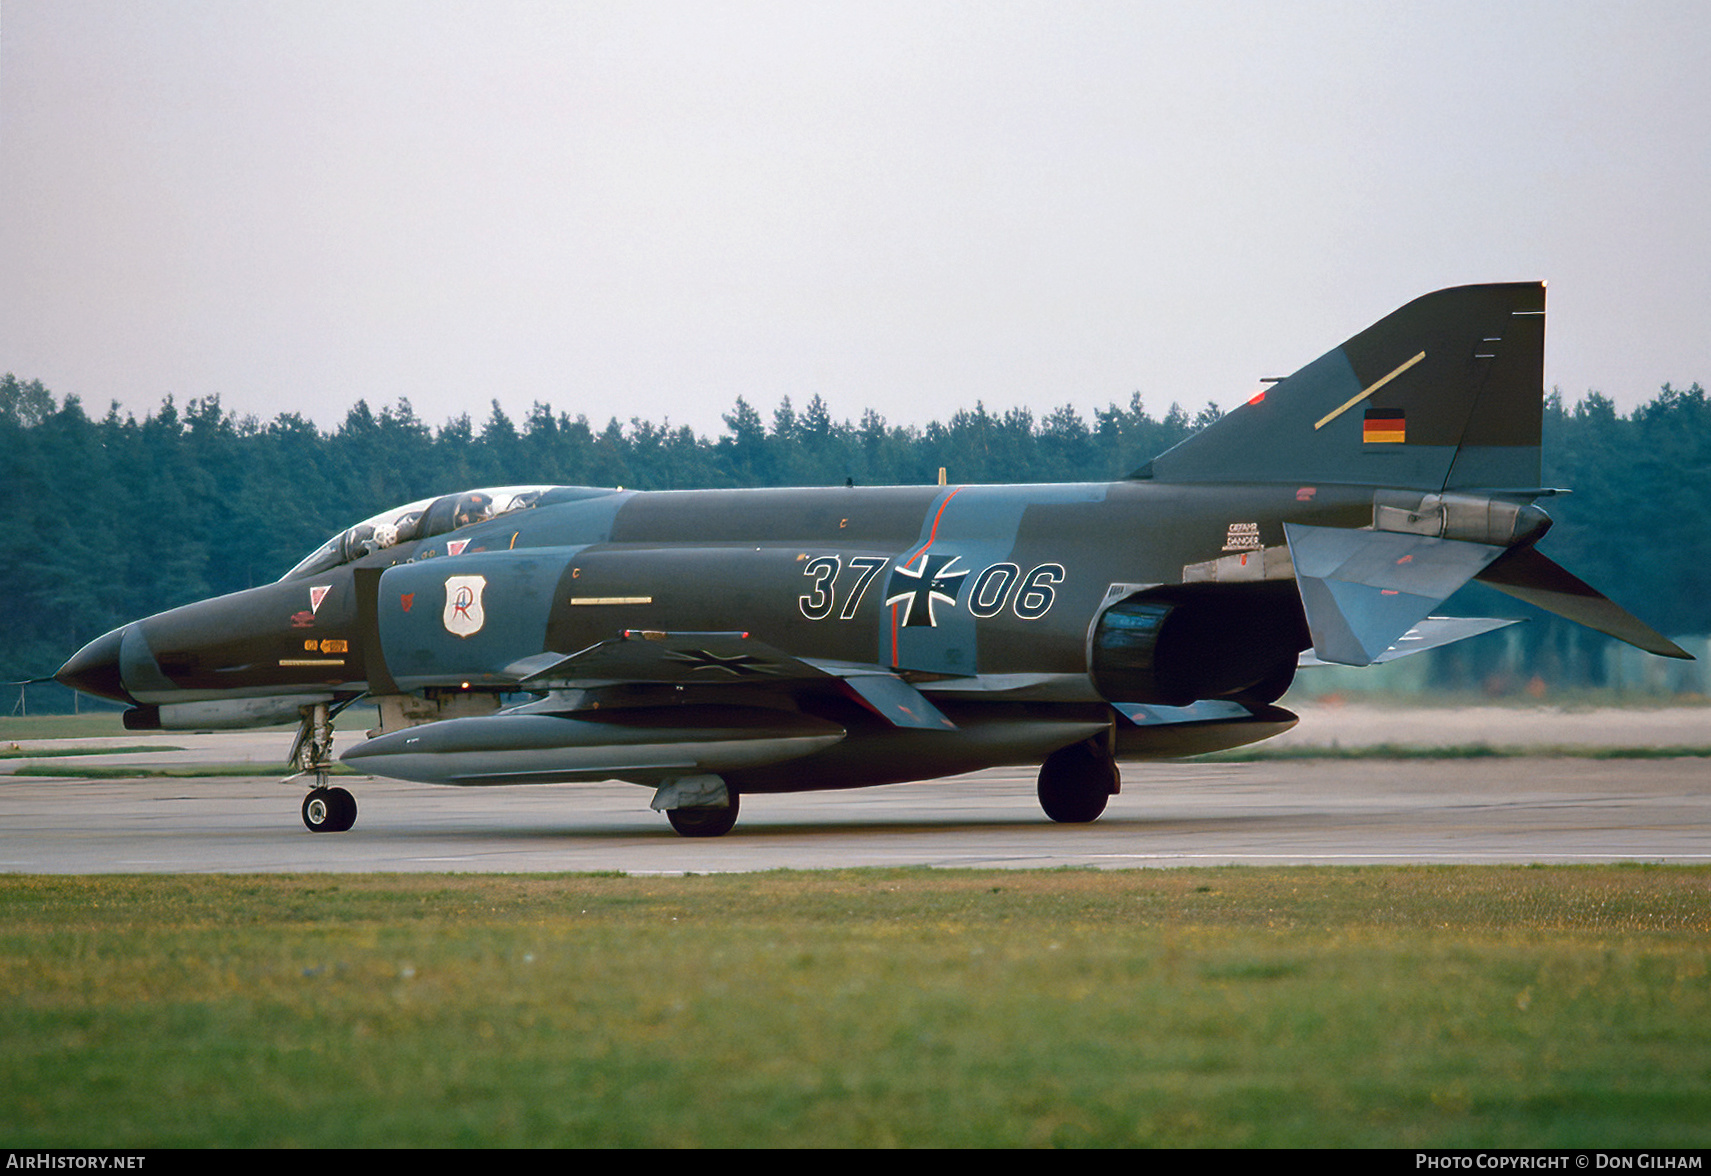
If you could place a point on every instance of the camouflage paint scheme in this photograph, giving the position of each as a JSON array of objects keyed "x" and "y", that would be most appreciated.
[{"x": 721, "y": 642}]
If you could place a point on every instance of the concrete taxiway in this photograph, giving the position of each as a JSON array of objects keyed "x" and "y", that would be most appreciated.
[{"x": 1518, "y": 810}]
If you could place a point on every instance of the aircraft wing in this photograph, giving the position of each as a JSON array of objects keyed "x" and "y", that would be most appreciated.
[
  {"x": 652, "y": 656},
  {"x": 570, "y": 735},
  {"x": 645, "y": 656}
]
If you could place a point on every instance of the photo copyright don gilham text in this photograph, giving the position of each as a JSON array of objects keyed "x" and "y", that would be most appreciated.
[{"x": 1560, "y": 1161}]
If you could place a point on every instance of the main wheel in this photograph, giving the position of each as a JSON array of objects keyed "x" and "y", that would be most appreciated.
[
  {"x": 345, "y": 809},
  {"x": 705, "y": 822},
  {"x": 329, "y": 810},
  {"x": 1075, "y": 783}
]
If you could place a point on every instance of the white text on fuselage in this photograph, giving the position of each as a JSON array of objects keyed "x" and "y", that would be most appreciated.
[{"x": 838, "y": 588}]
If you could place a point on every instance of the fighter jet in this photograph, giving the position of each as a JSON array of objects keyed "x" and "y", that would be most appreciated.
[{"x": 716, "y": 644}]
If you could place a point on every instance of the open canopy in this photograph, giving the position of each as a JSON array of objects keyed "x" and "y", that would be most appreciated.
[{"x": 416, "y": 520}]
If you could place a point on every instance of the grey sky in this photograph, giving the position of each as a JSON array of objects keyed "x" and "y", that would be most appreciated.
[{"x": 649, "y": 209}]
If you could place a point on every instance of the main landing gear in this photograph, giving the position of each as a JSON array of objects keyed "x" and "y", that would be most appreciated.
[
  {"x": 325, "y": 810},
  {"x": 1076, "y": 781},
  {"x": 704, "y": 822},
  {"x": 698, "y": 806}
]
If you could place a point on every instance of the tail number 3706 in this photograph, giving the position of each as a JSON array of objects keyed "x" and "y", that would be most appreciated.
[{"x": 998, "y": 585}]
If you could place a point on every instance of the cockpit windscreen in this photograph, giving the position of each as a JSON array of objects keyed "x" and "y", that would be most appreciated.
[{"x": 415, "y": 520}]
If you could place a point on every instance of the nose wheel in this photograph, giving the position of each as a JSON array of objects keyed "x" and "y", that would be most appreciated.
[{"x": 329, "y": 810}]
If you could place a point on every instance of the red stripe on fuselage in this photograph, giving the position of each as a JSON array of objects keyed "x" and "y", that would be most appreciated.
[{"x": 932, "y": 534}]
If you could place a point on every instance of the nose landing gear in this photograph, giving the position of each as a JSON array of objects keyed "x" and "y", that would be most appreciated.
[
  {"x": 325, "y": 810},
  {"x": 329, "y": 810}
]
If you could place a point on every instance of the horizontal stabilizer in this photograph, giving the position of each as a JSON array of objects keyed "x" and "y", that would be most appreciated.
[
  {"x": 1527, "y": 575},
  {"x": 1429, "y": 634},
  {"x": 1364, "y": 590}
]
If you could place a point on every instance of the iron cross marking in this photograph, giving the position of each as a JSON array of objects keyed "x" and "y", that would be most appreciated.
[
  {"x": 739, "y": 665},
  {"x": 916, "y": 588}
]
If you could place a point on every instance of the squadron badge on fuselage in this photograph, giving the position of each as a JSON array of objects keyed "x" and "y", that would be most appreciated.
[{"x": 463, "y": 616}]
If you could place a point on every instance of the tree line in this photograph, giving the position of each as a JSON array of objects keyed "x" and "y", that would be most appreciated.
[{"x": 115, "y": 517}]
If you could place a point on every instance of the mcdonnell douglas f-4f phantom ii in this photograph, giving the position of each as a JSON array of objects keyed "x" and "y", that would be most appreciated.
[{"x": 720, "y": 643}]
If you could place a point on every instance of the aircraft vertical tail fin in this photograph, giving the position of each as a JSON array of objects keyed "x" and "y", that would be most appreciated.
[{"x": 1444, "y": 394}]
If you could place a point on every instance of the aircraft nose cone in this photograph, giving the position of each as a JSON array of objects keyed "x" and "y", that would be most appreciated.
[{"x": 94, "y": 669}]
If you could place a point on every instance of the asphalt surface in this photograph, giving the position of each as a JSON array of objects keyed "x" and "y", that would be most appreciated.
[{"x": 1513, "y": 810}]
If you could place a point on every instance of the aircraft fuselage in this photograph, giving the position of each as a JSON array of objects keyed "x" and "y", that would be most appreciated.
[{"x": 931, "y": 581}]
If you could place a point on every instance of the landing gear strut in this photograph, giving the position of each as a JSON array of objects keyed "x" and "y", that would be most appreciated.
[
  {"x": 1076, "y": 781},
  {"x": 325, "y": 810}
]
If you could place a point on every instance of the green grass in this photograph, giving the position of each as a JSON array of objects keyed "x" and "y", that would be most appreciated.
[
  {"x": 91, "y": 726},
  {"x": 1395, "y": 1007},
  {"x": 12, "y": 751}
]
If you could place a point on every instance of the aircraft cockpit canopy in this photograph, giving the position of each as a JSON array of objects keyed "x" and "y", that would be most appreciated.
[{"x": 416, "y": 520}]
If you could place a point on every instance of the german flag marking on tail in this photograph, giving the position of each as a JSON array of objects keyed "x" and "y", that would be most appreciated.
[{"x": 1384, "y": 426}]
